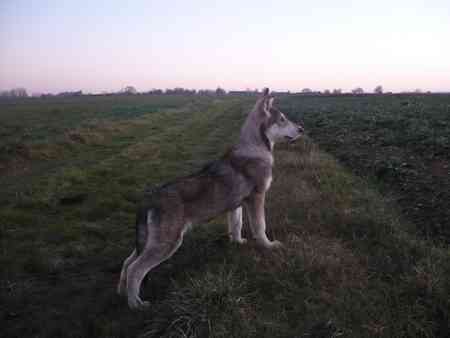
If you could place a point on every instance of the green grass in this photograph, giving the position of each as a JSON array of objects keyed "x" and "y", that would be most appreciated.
[{"x": 353, "y": 265}]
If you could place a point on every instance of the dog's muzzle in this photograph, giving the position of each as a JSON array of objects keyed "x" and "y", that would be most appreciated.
[{"x": 300, "y": 131}]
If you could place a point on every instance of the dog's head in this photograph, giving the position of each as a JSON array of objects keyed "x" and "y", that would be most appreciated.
[{"x": 275, "y": 125}]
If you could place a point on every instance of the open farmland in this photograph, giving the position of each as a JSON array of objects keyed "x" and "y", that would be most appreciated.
[
  {"x": 354, "y": 263},
  {"x": 401, "y": 142}
]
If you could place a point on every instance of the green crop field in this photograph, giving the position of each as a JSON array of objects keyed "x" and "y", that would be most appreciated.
[
  {"x": 361, "y": 204},
  {"x": 400, "y": 141}
]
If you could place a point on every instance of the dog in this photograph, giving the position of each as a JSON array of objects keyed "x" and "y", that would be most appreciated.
[{"x": 239, "y": 179}]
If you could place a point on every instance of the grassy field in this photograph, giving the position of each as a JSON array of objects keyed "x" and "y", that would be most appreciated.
[{"x": 72, "y": 169}]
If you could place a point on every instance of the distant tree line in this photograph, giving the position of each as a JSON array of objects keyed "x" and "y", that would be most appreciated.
[
  {"x": 131, "y": 90},
  {"x": 16, "y": 92}
]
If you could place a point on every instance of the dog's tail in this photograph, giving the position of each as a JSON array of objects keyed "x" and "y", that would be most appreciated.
[
  {"x": 147, "y": 215},
  {"x": 145, "y": 219}
]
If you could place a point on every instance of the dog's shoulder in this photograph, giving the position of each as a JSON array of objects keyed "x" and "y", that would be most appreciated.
[
  {"x": 213, "y": 168},
  {"x": 247, "y": 164},
  {"x": 256, "y": 169}
]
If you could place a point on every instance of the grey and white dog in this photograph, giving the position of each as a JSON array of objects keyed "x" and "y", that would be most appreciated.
[{"x": 239, "y": 179}]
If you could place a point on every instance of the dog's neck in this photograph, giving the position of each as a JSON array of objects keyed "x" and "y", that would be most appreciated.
[
  {"x": 253, "y": 141},
  {"x": 269, "y": 144}
]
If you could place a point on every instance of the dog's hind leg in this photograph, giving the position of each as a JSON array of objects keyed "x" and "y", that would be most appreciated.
[
  {"x": 257, "y": 219},
  {"x": 235, "y": 225},
  {"x": 152, "y": 256},
  {"x": 122, "y": 285}
]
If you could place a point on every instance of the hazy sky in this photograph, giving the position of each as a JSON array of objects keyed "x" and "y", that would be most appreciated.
[{"x": 51, "y": 46}]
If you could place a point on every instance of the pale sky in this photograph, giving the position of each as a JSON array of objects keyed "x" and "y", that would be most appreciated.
[{"x": 52, "y": 46}]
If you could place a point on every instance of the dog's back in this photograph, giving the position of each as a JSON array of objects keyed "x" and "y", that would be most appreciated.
[{"x": 219, "y": 186}]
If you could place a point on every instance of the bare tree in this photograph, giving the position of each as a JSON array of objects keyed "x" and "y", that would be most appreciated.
[
  {"x": 306, "y": 91},
  {"x": 205, "y": 92},
  {"x": 155, "y": 91},
  {"x": 358, "y": 91},
  {"x": 15, "y": 92},
  {"x": 180, "y": 91},
  {"x": 378, "y": 90},
  {"x": 337, "y": 91},
  {"x": 130, "y": 90},
  {"x": 220, "y": 91}
]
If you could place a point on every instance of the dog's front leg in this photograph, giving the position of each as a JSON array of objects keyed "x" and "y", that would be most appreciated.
[
  {"x": 235, "y": 226},
  {"x": 257, "y": 220}
]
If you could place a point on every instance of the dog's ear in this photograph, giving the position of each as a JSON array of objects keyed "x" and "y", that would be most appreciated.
[
  {"x": 264, "y": 104},
  {"x": 267, "y": 106},
  {"x": 270, "y": 103}
]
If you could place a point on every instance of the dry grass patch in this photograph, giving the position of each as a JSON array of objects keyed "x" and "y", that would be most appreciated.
[
  {"x": 17, "y": 158},
  {"x": 84, "y": 137},
  {"x": 142, "y": 151},
  {"x": 340, "y": 267}
]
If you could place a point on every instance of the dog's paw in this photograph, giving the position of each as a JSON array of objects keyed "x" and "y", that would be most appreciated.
[
  {"x": 276, "y": 245},
  {"x": 121, "y": 288},
  {"x": 238, "y": 240},
  {"x": 145, "y": 304},
  {"x": 136, "y": 303},
  {"x": 273, "y": 245}
]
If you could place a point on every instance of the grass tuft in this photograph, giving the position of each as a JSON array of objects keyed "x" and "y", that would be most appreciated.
[{"x": 215, "y": 304}]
